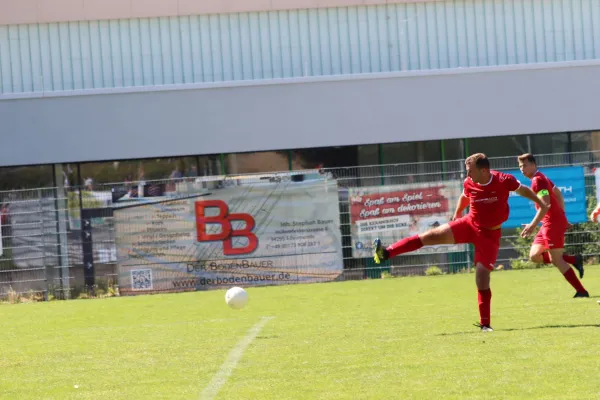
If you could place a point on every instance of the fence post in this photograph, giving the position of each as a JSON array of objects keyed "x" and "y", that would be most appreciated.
[
  {"x": 198, "y": 166},
  {"x": 223, "y": 169},
  {"x": 61, "y": 207},
  {"x": 42, "y": 225},
  {"x": 86, "y": 235},
  {"x": 570, "y": 148}
]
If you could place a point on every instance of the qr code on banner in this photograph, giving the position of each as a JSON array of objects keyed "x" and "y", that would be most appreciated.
[{"x": 141, "y": 279}]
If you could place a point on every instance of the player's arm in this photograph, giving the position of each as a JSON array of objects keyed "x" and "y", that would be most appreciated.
[
  {"x": 559, "y": 196},
  {"x": 544, "y": 195},
  {"x": 524, "y": 191},
  {"x": 463, "y": 202}
]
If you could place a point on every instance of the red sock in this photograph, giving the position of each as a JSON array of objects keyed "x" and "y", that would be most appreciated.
[
  {"x": 405, "y": 245},
  {"x": 484, "y": 298},
  {"x": 546, "y": 258},
  {"x": 569, "y": 259},
  {"x": 572, "y": 279}
]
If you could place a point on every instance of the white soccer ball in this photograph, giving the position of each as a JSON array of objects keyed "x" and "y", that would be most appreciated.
[{"x": 236, "y": 298}]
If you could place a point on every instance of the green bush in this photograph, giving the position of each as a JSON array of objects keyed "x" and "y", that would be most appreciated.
[
  {"x": 584, "y": 238},
  {"x": 522, "y": 264},
  {"x": 522, "y": 247},
  {"x": 386, "y": 275},
  {"x": 433, "y": 270},
  {"x": 112, "y": 291}
]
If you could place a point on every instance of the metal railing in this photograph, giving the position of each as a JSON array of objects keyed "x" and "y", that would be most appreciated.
[{"x": 45, "y": 250}]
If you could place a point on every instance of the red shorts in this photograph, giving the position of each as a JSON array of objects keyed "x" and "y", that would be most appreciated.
[
  {"x": 551, "y": 236},
  {"x": 486, "y": 241}
]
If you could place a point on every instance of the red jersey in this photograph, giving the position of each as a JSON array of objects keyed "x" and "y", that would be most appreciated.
[
  {"x": 540, "y": 184},
  {"x": 489, "y": 202}
]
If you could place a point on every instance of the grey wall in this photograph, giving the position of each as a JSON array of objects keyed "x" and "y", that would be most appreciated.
[{"x": 312, "y": 113}]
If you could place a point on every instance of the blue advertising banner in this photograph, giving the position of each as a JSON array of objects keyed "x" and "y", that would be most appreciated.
[{"x": 570, "y": 181}]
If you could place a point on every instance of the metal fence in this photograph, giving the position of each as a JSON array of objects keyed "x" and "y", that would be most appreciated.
[
  {"x": 60, "y": 242},
  {"x": 582, "y": 239}
]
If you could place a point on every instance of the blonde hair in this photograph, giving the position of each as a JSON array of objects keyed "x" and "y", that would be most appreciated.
[{"x": 480, "y": 160}]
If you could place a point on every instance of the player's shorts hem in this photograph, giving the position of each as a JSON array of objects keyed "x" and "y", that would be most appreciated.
[
  {"x": 489, "y": 267},
  {"x": 551, "y": 237},
  {"x": 485, "y": 241}
]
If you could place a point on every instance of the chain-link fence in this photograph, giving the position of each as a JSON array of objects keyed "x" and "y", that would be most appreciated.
[{"x": 64, "y": 243}]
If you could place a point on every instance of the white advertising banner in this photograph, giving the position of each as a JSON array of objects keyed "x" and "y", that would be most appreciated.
[{"x": 255, "y": 235}]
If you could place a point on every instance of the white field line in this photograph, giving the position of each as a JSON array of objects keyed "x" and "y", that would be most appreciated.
[{"x": 233, "y": 358}]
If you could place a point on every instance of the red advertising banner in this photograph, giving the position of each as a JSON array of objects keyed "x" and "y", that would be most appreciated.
[
  {"x": 394, "y": 212},
  {"x": 416, "y": 201}
]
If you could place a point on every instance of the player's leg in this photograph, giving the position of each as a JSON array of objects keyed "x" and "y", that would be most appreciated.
[
  {"x": 484, "y": 296},
  {"x": 487, "y": 245},
  {"x": 444, "y": 234},
  {"x": 576, "y": 261},
  {"x": 539, "y": 249},
  {"x": 538, "y": 253},
  {"x": 544, "y": 258},
  {"x": 553, "y": 237},
  {"x": 556, "y": 256}
]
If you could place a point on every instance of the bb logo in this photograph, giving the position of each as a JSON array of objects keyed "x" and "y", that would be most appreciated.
[{"x": 227, "y": 234}]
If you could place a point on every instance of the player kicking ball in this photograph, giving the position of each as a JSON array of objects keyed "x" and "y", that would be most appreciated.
[
  {"x": 486, "y": 192},
  {"x": 548, "y": 245}
]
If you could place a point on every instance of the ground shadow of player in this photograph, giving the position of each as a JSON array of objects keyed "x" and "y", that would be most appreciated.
[{"x": 526, "y": 329}]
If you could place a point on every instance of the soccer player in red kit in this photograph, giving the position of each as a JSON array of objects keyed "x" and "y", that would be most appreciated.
[
  {"x": 549, "y": 244},
  {"x": 486, "y": 192}
]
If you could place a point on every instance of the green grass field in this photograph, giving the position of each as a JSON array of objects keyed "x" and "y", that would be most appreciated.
[{"x": 396, "y": 338}]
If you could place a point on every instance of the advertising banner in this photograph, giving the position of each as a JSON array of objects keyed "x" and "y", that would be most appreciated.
[
  {"x": 570, "y": 181},
  {"x": 394, "y": 212},
  {"x": 240, "y": 236}
]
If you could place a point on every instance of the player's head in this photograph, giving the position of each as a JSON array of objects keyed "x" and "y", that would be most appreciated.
[
  {"x": 527, "y": 165},
  {"x": 478, "y": 168}
]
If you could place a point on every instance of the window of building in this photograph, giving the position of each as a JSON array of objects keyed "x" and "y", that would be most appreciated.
[
  {"x": 14, "y": 178},
  {"x": 326, "y": 157},
  {"x": 499, "y": 146},
  {"x": 412, "y": 152},
  {"x": 419, "y": 161},
  {"x": 368, "y": 154},
  {"x": 551, "y": 143},
  {"x": 585, "y": 141},
  {"x": 585, "y": 146},
  {"x": 453, "y": 149},
  {"x": 210, "y": 165},
  {"x": 400, "y": 153},
  {"x": 257, "y": 162},
  {"x": 136, "y": 170}
]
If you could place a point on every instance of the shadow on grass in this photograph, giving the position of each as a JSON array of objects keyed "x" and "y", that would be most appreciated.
[{"x": 525, "y": 329}]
